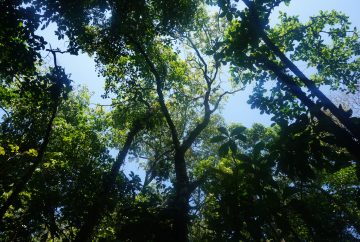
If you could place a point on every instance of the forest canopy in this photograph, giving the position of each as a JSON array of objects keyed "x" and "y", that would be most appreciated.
[{"x": 168, "y": 68}]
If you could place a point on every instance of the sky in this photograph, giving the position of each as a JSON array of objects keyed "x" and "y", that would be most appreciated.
[{"x": 236, "y": 110}]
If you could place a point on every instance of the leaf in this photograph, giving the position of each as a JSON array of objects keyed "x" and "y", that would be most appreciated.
[
  {"x": 217, "y": 138},
  {"x": 14, "y": 148},
  {"x": 333, "y": 140},
  {"x": 258, "y": 147},
  {"x": 32, "y": 152},
  {"x": 232, "y": 146},
  {"x": 224, "y": 150},
  {"x": 241, "y": 137},
  {"x": 223, "y": 130},
  {"x": 2, "y": 151},
  {"x": 243, "y": 157},
  {"x": 237, "y": 131}
]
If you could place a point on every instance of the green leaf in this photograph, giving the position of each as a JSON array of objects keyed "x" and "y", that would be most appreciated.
[
  {"x": 233, "y": 146},
  {"x": 243, "y": 157},
  {"x": 237, "y": 131},
  {"x": 224, "y": 150},
  {"x": 223, "y": 130},
  {"x": 32, "y": 152},
  {"x": 258, "y": 147},
  {"x": 217, "y": 138},
  {"x": 241, "y": 137}
]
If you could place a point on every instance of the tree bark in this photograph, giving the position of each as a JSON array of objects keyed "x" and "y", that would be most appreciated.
[{"x": 181, "y": 219}]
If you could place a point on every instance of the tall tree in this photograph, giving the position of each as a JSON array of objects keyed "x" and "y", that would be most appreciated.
[
  {"x": 163, "y": 62},
  {"x": 262, "y": 189},
  {"x": 262, "y": 52},
  {"x": 54, "y": 87},
  {"x": 19, "y": 44}
]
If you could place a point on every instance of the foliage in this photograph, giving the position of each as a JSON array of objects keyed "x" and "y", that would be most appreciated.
[
  {"x": 164, "y": 65},
  {"x": 19, "y": 44}
]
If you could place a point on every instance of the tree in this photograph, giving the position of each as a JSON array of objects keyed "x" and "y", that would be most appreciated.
[
  {"x": 143, "y": 64},
  {"x": 18, "y": 42},
  {"x": 252, "y": 196},
  {"x": 260, "y": 52},
  {"x": 55, "y": 86},
  {"x": 205, "y": 181}
]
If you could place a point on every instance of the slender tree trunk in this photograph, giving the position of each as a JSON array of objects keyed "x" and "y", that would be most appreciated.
[
  {"x": 183, "y": 188},
  {"x": 341, "y": 134},
  {"x": 99, "y": 207},
  {"x": 20, "y": 186},
  {"x": 181, "y": 218},
  {"x": 325, "y": 102}
]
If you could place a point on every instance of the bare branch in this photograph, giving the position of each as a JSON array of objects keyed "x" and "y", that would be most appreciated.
[
  {"x": 6, "y": 112},
  {"x": 105, "y": 105},
  {"x": 221, "y": 97},
  {"x": 53, "y": 52},
  {"x": 205, "y": 70}
]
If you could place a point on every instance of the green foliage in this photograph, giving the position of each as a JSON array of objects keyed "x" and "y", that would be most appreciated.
[
  {"x": 250, "y": 197},
  {"x": 161, "y": 61},
  {"x": 19, "y": 44},
  {"x": 326, "y": 42}
]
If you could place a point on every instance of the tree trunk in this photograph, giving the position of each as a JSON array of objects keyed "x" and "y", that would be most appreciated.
[
  {"x": 181, "y": 218},
  {"x": 310, "y": 84},
  {"x": 96, "y": 211},
  {"x": 344, "y": 137},
  {"x": 20, "y": 186}
]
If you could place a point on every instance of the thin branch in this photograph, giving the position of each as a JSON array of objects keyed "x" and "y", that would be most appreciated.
[
  {"x": 336, "y": 32},
  {"x": 150, "y": 172},
  {"x": 53, "y": 52},
  {"x": 161, "y": 98},
  {"x": 221, "y": 97},
  {"x": 6, "y": 112},
  {"x": 105, "y": 105},
  {"x": 205, "y": 71},
  {"x": 217, "y": 65},
  {"x": 207, "y": 111}
]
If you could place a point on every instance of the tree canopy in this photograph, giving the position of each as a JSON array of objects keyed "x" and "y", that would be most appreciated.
[{"x": 169, "y": 67}]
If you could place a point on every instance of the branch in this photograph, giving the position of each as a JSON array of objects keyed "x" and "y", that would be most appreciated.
[
  {"x": 222, "y": 95},
  {"x": 196, "y": 131},
  {"x": 53, "y": 52},
  {"x": 101, "y": 200},
  {"x": 205, "y": 71},
  {"x": 149, "y": 173},
  {"x": 207, "y": 111},
  {"x": 6, "y": 112},
  {"x": 216, "y": 71},
  {"x": 161, "y": 98},
  {"x": 339, "y": 114},
  {"x": 195, "y": 184},
  {"x": 105, "y": 105},
  {"x": 342, "y": 134}
]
